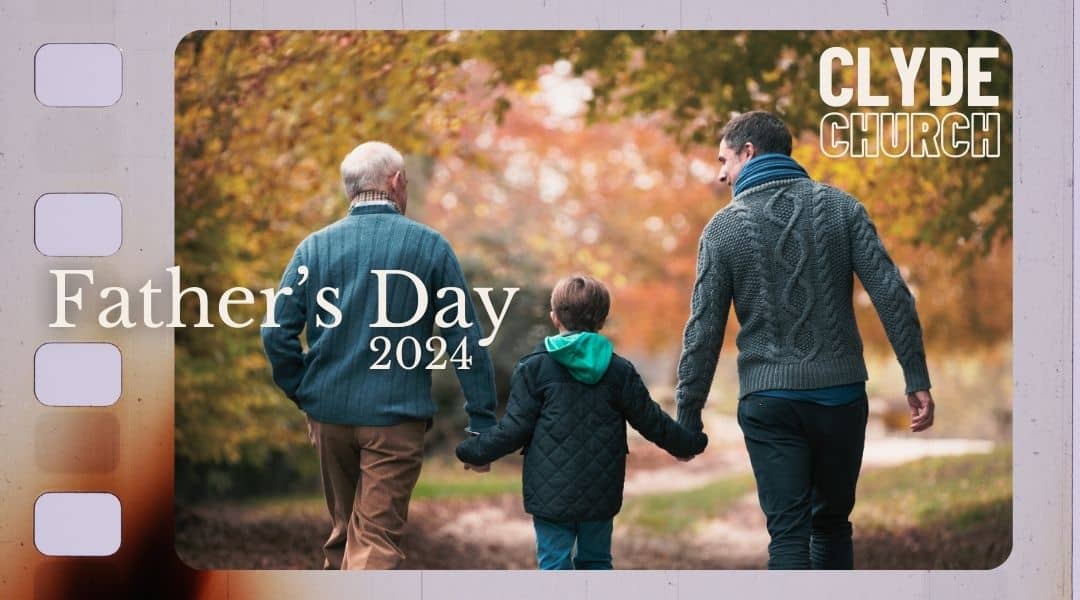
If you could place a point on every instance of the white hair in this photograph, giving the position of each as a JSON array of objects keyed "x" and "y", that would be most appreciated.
[{"x": 368, "y": 167}]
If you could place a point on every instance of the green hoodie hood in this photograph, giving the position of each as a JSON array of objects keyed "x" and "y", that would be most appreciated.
[{"x": 584, "y": 353}]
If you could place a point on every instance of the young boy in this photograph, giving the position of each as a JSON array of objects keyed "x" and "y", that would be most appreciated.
[{"x": 569, "y": 404}]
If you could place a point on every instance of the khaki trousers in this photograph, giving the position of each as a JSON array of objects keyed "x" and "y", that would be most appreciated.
[{"x": 368, "y": 475}]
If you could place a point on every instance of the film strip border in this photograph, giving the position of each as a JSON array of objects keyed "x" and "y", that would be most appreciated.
[
  {"x": 78, "y": 374},
  {"x": 123, "y": 447},
  {"x": 92, "y": 523},
  {"x": 86, "y": 492}
]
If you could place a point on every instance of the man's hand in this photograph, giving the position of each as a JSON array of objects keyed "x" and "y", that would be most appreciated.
[
  {"x": 922, "y": 410},
  {"x": 478, "y": 468}
]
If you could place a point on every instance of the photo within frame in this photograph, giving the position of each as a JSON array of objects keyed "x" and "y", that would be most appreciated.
[{"x": 593, "y": 299}]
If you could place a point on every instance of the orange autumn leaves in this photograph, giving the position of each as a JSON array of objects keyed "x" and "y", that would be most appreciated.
[{"x": 625, "y": 202}]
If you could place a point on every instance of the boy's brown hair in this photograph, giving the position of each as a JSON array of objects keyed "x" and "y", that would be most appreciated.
[{"x": 580, "y": 302}]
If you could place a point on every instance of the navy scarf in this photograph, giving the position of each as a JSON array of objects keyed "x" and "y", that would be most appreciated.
[{"x": 768, "y": 167}]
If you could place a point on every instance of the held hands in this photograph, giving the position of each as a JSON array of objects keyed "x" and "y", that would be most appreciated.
[
  {"x": 922, "y": 410},
  {"x": 700, "y": 442},
  {"x": 691, "y": 421},
  {"x": 462, "y": 455}
]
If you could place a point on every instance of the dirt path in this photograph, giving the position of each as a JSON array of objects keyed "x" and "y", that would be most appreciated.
[
  {"x": 493, "y": 533},
  {"x": 496, "y": 533},
  {"x": 484, "y": 533}
]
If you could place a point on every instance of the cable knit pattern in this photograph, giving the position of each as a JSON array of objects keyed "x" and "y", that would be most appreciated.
[
  {"x": 784, "y": 253},
  {"x": 824, "y": 269},
  {"x": 793, "y": 273}
]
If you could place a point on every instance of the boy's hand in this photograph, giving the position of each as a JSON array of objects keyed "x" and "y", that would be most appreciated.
[{"x": 464, "y": 456}]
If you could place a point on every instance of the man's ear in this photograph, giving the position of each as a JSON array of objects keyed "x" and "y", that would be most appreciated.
[{"x": 750, "y": 147}]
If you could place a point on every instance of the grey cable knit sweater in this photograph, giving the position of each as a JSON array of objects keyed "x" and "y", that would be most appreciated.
[{"x": 784, "y": 252}]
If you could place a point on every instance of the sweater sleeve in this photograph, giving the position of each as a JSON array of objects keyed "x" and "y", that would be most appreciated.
[
  {"x": 477, "y": 378},
  {"x": 511, "y": 432},
  {"x": 646, "y": 416},
  {"x": 892, "y": 299},
  {"x": 282, "y": 342},
  {"x": 703, "y": 336}
]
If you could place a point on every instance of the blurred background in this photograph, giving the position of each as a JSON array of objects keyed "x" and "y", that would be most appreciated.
[{"x": 538, "y": 154}]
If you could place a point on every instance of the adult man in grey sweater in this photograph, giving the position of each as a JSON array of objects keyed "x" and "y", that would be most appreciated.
[{"x": 784, "y": 252}]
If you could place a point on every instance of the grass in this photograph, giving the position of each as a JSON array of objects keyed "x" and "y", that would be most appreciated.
[
  {"x": 439, "y": 480},
  {"x": 279, "y": 507},
  {"x": 941, "y": 513},
  {"x": 959, "y": 490},
  {"x": 677, "y": 512},
  {"x": 948, "y": 494},
  {"x": 450, "y": 480}
]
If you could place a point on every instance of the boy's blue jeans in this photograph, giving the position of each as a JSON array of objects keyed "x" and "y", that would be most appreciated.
[{"x": 555, "y": 544}]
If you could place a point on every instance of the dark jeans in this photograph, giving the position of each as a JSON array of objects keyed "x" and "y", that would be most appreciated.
[
  {"x": 806, "y": 459},
  {"x": 555, "y": 542}
]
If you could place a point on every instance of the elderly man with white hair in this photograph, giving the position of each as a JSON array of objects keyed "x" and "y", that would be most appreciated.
[{"x": 367, "y": 424}]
